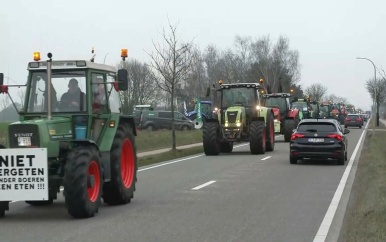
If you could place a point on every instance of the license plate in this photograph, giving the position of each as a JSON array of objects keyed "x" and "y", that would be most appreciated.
[
  {"x": 24, "y": 141},
  {"x": 315, "y": 140}
]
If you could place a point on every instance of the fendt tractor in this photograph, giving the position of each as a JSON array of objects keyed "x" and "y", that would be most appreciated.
[
  {"x": 307, "y": 108},
  {"x": 71, "y": 134},
  {"x": 326, "y": 108},
  {"x": 285, "y": 118},
  {"x": 240, "y": 117}
]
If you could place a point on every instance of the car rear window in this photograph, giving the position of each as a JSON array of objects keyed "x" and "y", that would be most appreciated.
[
  {"x": 317, "y": 127},
  {"x": 352, "y": 116}
]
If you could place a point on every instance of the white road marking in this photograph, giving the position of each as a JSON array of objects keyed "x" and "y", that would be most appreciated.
[
  {"x": 172, "y": 162},
  {"x": 321, "y": 235},
  {"x": 203, "y": 185},
  {"x": 266, "y": 158}
]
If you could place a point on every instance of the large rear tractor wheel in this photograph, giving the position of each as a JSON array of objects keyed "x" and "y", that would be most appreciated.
[
  {"x": 289, "y": 125},
  {"x": 226, "y": 147},
  {"x": 83, "y": 181},
  {"x": 210, "y": 139},
  {"x": 123, "y": 158},
  {"x": 270, "y": 133},
  {"x": 257, "y": 138}
]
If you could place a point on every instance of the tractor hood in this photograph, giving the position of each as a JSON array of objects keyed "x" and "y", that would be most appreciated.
[
  {"x": 40, "y": 133},
  {"x": 234, "y": 116}
]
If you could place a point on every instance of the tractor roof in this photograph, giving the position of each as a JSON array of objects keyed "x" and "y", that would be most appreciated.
[
  {"x": 235, "y": 85},
  {"x": 70, "y": 64},
  {"x": 277, "y": 95}
]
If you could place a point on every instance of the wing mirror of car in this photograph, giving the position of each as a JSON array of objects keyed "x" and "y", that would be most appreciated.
[{"x": 346, "y": 131}]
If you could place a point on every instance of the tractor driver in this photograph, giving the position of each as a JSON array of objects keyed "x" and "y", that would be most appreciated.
[
  {"x": 74, "y": 99},
  {"x": 99, "y": 95}
]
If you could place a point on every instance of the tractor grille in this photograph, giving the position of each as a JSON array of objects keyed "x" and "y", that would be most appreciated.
[
  {"x": 23, "y": 130},
  {"x": 232, "y": 116}
]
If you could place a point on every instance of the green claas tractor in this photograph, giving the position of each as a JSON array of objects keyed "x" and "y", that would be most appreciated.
[
  {"x": 71, "y": 136},
  {"x": 240, "y": 117},
  {"x": 307, "y": 108}
]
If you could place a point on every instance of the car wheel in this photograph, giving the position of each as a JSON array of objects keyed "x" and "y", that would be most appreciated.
[
  {"x": 345, "y": 126},
  {"x": 293, "y": 159},
  {"x": 150, "y": 127}
]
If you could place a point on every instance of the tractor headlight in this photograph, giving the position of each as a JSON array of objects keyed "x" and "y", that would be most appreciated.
[
  {"x": 258, "y": 107},
  {"x": 226, "y": 124},
  {"x": 238, "y": 124}
]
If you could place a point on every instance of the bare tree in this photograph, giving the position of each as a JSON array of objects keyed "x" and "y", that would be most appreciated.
[
  {"x": 172, "y": 62},
  {"x": 377, "y": 91},
  {"x": 336, "y": 99},
  {"x": 316, "y": 91}
]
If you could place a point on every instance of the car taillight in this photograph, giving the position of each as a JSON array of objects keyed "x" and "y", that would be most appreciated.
[
  {"x": 295, "y": 136},
  {"x": 359, "y": 119},
  {"x": 335, "y": 136},
  {"x": 347, "y": 119}
]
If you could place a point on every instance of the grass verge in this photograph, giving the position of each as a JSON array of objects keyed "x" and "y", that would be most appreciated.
[
  {"x": 170, "y": 155},
  {"x": 365, "y": 218},
  {"x": 154, "y": 140}
]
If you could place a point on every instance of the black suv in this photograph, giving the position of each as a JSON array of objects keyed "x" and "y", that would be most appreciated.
[
  {"x": 319, "y": 138},
  {"x": 153, "y": 120}
]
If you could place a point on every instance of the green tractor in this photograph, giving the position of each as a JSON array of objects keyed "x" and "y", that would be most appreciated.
[
  {"x": 307, "y": 109},
  {"x": 71, "y": 136},
  {"x": 240, "y": 117}
]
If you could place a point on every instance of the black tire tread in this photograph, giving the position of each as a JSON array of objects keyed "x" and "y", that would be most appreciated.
[
  {"x": 75, "y": 182},
  {"x": 256, "y": 141},
  {"x": 114, "y": 191},
  {"x": 270, "y": 146},
  {"x": 210, "y": 139},
  {"x": 289, "y": 125}
]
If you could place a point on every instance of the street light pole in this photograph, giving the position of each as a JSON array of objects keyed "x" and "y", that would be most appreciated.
[{"x": 375, "y": 88}]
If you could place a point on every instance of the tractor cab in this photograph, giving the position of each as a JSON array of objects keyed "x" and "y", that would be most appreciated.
[
  {"x": 72, "y": 116},
  {"x": 307, "y": 108}
]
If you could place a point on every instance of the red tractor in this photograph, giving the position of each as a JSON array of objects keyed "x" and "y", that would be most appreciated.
[{"x": 285, "y": 118}]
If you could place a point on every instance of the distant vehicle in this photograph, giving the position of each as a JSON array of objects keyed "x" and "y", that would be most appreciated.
[
  {"x": 353, "y": 120},
  {"x": 319, "y": 138},
  {"x": 143, "y": 107},
  {"x": 153, "y": 120}
]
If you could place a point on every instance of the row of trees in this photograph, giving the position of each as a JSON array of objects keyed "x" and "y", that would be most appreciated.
[{"x": 180, "y": 70}]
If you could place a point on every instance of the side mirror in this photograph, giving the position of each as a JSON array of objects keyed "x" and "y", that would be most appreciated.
[
  {"x": 208, "y": 92},
  {"x": 346, "y": 131},
  {"x": 123, "y": 82},
  {"x": 1, "y": 79}
]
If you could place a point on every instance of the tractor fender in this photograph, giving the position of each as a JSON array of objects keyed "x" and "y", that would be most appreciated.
[
  {"x": 125, "y": 119},
  {"x": 276, "y": 112},
  {"x": 292, "y": 113}
]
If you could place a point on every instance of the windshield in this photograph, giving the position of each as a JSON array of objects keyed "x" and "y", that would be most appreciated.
[
  {"x": 276, "y": 101},
  {"x": 67, "y": 91},
  {"x": 324, "y": 110},
  {"x": 241, "y": 96},
  {"x": 299, "y": 105}
]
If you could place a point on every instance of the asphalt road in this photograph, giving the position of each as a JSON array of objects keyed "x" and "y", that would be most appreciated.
[{"x": 234, "y": 197}]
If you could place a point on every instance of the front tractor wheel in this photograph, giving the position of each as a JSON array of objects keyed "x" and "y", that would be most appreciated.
[
  {"x": 83, "y": 181},
  {"x": 289, "y": 126},
  {"x": 210, "y": 139},
  {"x": 257, "y": 137},
  {"x": 123, "y": 158},
  {"x": 270, "y": 133}
]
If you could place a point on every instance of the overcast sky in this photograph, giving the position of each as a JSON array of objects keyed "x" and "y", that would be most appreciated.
[{"x": 329, "y": 35}]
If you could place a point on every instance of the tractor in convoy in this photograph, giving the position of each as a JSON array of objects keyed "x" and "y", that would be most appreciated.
[
  {"x": 202, "y": 111},
  {"x": 326, "y": 110},
  {"x": 307, "y": 108},
  {"x": 285, "y": 118},
  {"x": 350, "y": 109},
  {"x": 71, "y": 135},
  {"x": 240, "y": 116}
]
